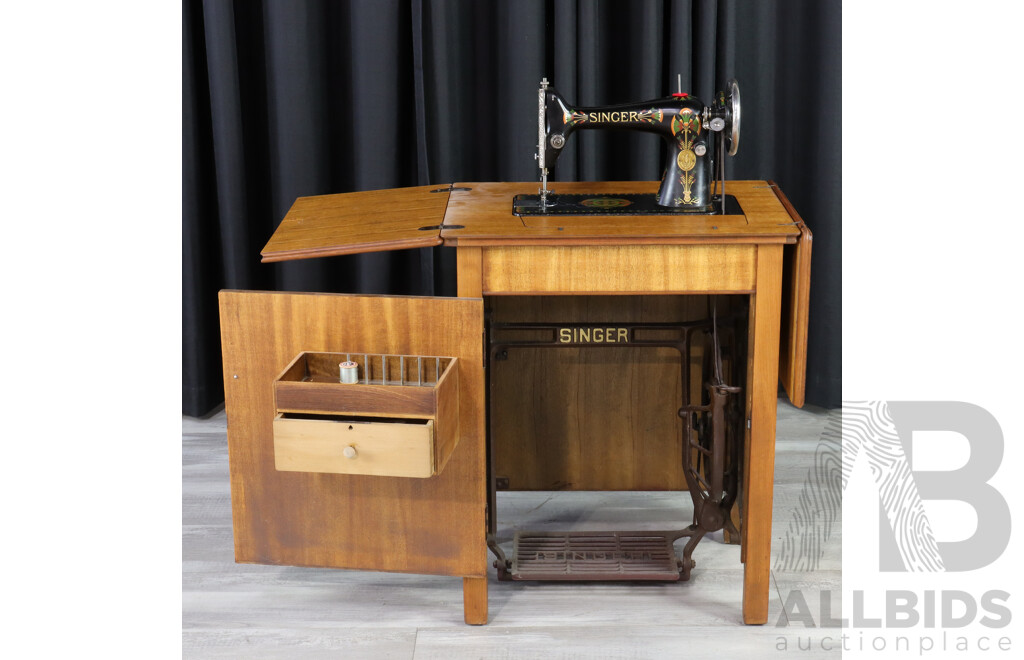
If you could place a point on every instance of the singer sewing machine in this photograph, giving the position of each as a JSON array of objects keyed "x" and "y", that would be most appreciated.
[
  {"x": 606, "y": 336},
  {"x": 687, "y": 125}
]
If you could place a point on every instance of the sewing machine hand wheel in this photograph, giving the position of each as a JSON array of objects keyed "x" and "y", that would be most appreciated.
[{"x": 732, "y": 103}]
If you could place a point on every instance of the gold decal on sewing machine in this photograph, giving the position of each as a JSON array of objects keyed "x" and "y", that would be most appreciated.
[
  {"x": 605, "y": 202},
  {"x": 685, "y": 122},
  {"x": 572, "y": 117},
  {"x": 647, "y": 116},
  {"x": 687, "y": 198},
  {"x": 685, "y": 127},
  {"x": 593, "y": 335},
  {"x": 686, "y": 160}
]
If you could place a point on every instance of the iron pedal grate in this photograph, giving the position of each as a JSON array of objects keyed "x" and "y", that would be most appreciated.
[{"x": 594, "y": 556}]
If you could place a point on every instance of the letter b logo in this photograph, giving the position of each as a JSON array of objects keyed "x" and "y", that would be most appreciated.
[{"x": 905, "y": 534}]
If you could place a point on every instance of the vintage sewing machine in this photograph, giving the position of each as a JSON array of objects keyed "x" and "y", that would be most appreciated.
[
  {"x": 688, "y": 127},
  {"x": 607, "y": 336}
]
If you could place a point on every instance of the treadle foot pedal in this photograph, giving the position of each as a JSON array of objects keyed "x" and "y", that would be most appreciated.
[{"x": 594, "y": 556}]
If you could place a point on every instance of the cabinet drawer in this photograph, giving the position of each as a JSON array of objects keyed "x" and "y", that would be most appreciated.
[
  {"x": 397, "y": 416},
  {"x": 402, "y": 448}
]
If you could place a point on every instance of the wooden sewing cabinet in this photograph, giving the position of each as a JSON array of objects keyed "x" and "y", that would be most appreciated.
[{"x": 396, "y": 478}]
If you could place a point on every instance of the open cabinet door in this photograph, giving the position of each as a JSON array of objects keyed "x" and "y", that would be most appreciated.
[{"x": 300, "y": 509}]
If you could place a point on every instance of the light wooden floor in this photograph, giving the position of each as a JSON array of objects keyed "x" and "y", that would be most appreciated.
[{"x": 246, "y": 611}]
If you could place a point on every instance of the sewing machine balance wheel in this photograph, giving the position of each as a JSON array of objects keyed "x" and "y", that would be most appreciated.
[{"x": 733, "y": 102}]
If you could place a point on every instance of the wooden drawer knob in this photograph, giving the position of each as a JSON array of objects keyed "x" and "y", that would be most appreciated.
[{"x": 349, "y": 452}]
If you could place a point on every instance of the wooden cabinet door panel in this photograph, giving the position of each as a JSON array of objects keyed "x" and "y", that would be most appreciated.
[{"x": 434, "y": 525}]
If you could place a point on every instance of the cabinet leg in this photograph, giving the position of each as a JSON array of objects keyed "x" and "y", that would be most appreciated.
[
  {"x": 760, "y": 464},
  {"x": 474, "y": 600}
]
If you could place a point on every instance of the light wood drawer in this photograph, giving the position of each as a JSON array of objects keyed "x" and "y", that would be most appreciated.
[{"x": 343, "y": 446}]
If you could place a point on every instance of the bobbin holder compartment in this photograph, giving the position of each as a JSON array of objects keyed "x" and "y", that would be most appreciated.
[{"x": 400, "y": 419}]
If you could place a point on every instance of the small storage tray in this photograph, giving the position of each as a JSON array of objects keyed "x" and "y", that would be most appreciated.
[{"x": 399, "y": 419}]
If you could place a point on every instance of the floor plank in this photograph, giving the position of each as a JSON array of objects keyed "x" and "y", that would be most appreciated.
[
  {"x": 297, "y": 642},
  {"x": 624, "y": 641}
]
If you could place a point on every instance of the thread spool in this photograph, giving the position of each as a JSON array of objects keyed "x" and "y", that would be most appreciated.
[{"x": 349, "y": 372}]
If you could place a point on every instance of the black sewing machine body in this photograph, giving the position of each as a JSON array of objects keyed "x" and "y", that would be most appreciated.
[{"x": 698, "y": 136}]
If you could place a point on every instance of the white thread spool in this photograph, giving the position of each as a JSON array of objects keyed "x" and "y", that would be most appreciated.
[{"x": 349, "y": 372}]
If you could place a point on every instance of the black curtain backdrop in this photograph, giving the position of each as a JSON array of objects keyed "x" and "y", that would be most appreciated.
[{"x": 285, "y": 98}]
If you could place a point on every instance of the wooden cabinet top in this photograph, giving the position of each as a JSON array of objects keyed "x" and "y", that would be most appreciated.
[{"x": 480, "y": 214}]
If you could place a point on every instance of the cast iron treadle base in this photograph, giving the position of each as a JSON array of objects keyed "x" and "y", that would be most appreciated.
[{"x": 594, "y": 556}]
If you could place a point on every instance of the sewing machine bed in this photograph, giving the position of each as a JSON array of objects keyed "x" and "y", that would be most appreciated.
[{"x": 612, "y": 204}]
